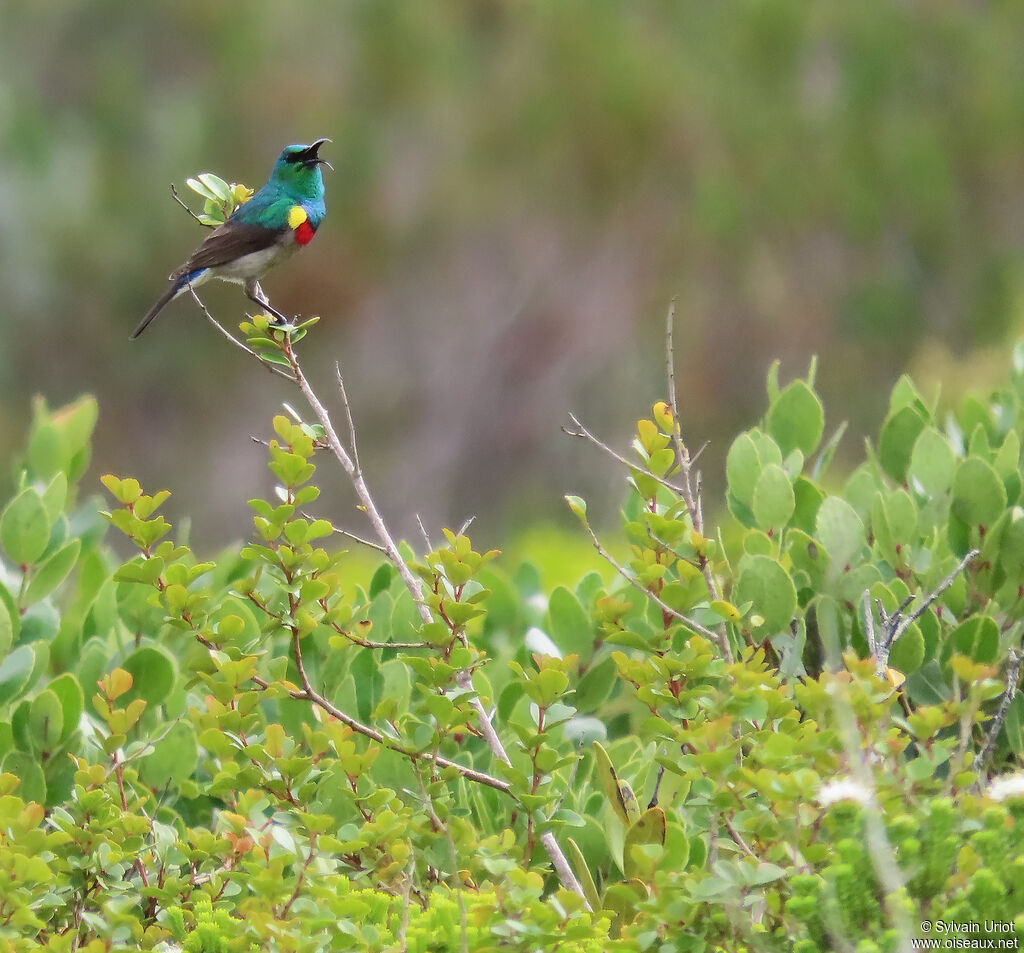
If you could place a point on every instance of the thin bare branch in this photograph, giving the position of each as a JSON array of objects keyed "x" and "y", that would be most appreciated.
[
  {"x": 897, "y": 623},
  {"x": 939, "y": 590},
  {"x": 692, "y": 499},
  {"x": 423, "y": 532},
  {"x": 1016, "y": 657},
  {"x": 585, "y": 434},
  {"x": 178, "y": 199},
  {"x": 737, "y": 838},
  {"x": 352, "y": 536},
  {"x": 309, "y": 693},
  {"x": 348, "y": 417},
  {"x": 273, "y": 368},
  {"x": 715, "y": 637}
]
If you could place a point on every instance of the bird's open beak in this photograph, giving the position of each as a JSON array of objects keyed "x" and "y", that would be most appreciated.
[{"x": 310, "y": 157}]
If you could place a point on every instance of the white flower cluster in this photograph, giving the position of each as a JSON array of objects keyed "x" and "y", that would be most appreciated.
[
  {"x": 1007, "y": 787},
  {"x": 843, "y": 789}
]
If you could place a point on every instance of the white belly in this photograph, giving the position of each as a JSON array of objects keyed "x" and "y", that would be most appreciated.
[{"x": 251, "y": 266}]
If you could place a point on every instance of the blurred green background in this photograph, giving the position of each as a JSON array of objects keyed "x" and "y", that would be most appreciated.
[{"x": 519, "y": 189}]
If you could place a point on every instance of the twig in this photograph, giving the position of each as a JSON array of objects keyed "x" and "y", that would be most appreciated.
[
  {"x": 585, "y": 434},
  {"x": 869, "y": 625},
  {"x": 896, "y": 624},
  {"x": 692, "y": 499},
  {"x": 737, "y": 838},
  {"x": 348, "y": 416},
  {"x": 942, "y": 587},
  {"x": 177, "y": 198},
  {"x": 423, "y": 532},
  {"x": 1016, "y": 657},
  {"x": 352, "y": 536},
  {"x": 273, "y": 368},
  {"x": 309, "y": 693},
  {"x": 715, "y": 637}
]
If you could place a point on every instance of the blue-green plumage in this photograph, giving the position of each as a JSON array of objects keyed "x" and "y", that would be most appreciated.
[{"x": 278, "y": 219}]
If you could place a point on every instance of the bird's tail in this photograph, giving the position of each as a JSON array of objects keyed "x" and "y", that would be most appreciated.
[{"x": 162, "y": 301}]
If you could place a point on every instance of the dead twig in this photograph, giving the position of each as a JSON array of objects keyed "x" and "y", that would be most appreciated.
[
  {"x": 894, "y": 625},
  {"x": 1013, "y": 669}
]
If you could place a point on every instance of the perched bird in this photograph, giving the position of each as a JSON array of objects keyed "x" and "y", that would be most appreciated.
[{"x": 278, "y": 219}]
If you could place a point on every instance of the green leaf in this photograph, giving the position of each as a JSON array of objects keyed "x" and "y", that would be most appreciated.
[
  {"x": 1007, "y": 460},
  {"x": 381, "y": 579},
  {"x": 796, "y": 419},
  {"x": 977, "y": 638},
  {"x": 808, "y": 555},
  {"x": 26, "y": 768},
  {"x": 809, "y": 498},
  {"x": 979, "y": 496},
  {"x": 901, "y": 514},
  {"x": 201, "y": 188},
  {"x": 932, "y": 462},
  {"x": 595, "y": 686},
  {"x": 895, "y": 443},
  {"x": 153, "y": 672},
  {"x": 649, "y": 828},
  {"x": 578, "y": 506},
  {"x": 220, "y": 190},
  {"x": 6, "y": 629},
  {"x": 369, "y": 681},
  {"x": 762, "y": 874},
  {"x": 46, "y": 721},
  {"x": 774, "y": 500},
  {"x": 742, "y": 468},
  {"x": 579, "y": 866},
  {"x": 769, "y": 587},
  {"x": 55, "y": 496},
  {"x": 907, "y": 652},
  {"x": 570, "y": 630},
  {"x": 622, "y": 900},
  {"x": 15, "y": 671},
  {"x": 47, "y": 450},
  {"x": 172, "y": 759},
  {"x": 72, "y": 701},
  {"x": 928, "y": 686},
  {"x": 52, "y": 572},
  {"x": 1014, "y": 725},
  {"x": 25, "y": 527},
  {"x": 1011, "y": 549},
  {"x": 839, "y": 529},
  {"x": 610, "y": 784}
]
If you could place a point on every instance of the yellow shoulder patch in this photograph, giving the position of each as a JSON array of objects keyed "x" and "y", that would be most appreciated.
[{"x": 296, "y": 216}]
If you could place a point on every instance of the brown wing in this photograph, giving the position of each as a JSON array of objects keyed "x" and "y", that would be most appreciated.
[{"x": 226, "y": 243}]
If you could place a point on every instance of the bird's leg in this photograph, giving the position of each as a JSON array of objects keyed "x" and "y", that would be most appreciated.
[{"x": 256, "y": 294}]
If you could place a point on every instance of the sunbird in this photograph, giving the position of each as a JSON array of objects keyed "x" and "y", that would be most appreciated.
[{"x": 280, "y": 218}]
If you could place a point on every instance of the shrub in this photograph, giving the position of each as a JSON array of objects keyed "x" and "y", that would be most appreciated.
[{"x": 777, "y": 733}]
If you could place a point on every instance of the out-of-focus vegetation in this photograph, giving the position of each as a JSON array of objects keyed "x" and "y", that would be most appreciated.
[{"x": 520, "y": 187}]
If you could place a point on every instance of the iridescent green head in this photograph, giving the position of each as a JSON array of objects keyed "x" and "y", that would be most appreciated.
[{"x": 298, "y": 169}]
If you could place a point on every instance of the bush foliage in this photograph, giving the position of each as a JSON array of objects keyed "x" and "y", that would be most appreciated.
[{"x": 795, "y": 730}]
